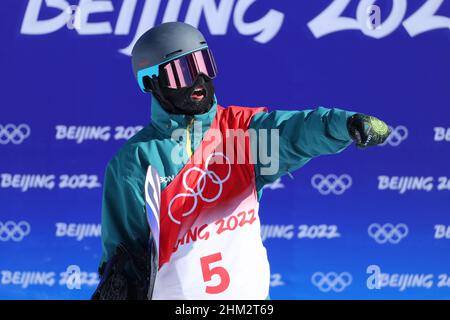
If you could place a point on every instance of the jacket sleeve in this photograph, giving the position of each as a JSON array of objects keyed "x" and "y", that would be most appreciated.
[
  {"x": 303, "y": 135},
  {"x": 123, "y": 215}
]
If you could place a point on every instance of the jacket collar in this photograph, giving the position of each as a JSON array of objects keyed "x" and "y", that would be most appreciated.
[{"x": 167, "y": 122}]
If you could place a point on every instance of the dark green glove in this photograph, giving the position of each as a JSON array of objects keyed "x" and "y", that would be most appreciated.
[{"x": 366, "y": 130}]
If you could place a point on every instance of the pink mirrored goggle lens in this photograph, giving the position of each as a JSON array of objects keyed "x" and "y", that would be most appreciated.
[{"x": 183, "y": 72}]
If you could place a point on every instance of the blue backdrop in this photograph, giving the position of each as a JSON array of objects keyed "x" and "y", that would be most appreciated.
[{"x": 362, "y": 224}]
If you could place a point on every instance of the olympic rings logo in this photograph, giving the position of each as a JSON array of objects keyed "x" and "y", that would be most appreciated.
[
  {"x": 11, "y": 230},
  {"x": 388, "y": 232},
  {"x": 11, "y": 133},
  {"x": 398, "y": 134},
  {"x": 197, "y": 191},
  {"x": 331, "y": 183},
  {"x": 331, "y": 281}
]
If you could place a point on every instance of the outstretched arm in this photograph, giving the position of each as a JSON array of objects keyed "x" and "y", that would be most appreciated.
[{"x": 306, "y": 134}]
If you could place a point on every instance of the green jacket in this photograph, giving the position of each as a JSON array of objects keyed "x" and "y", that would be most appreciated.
[{"x": 303, "y": 135}]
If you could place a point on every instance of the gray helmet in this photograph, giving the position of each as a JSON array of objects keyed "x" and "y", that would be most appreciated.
[{"x": 161, "y": 44}]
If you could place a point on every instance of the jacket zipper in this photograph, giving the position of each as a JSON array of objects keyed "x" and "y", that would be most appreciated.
[{"x": 188, "y": 136}]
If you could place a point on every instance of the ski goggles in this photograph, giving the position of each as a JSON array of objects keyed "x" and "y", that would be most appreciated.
[{"x": 182, "y": 72}]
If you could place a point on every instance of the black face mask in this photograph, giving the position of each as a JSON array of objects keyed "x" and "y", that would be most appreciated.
[{"x": 178, "y": 101}]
